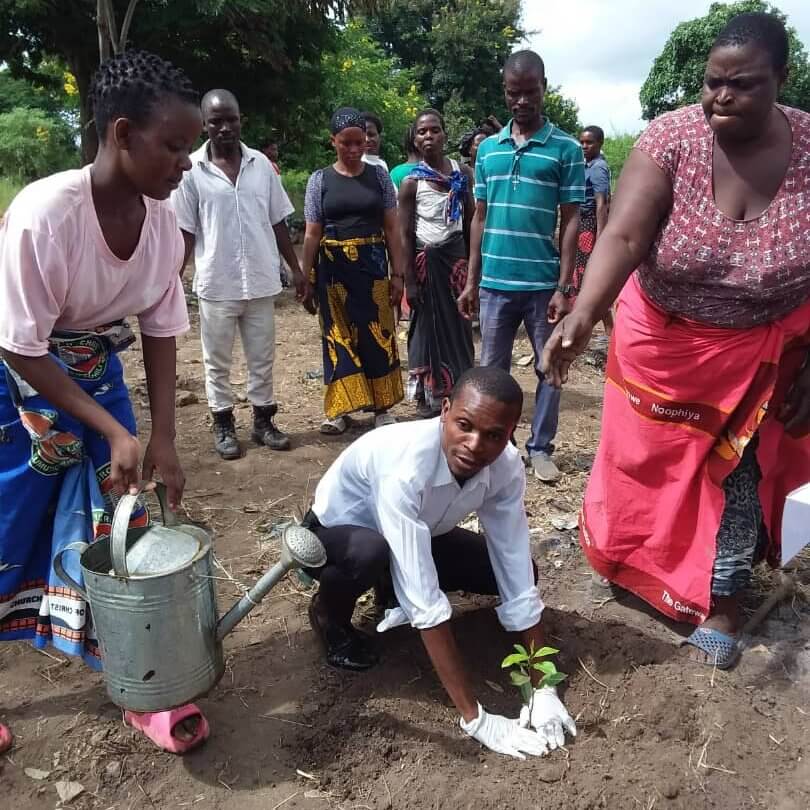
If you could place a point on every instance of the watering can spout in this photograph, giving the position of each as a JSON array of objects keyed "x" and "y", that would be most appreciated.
[{"x": 300, "y": 548}]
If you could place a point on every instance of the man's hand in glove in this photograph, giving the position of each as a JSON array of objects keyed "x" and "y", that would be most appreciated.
[
  {"x": 548, "y": 717},
  {"x": 504, "y": 736}
]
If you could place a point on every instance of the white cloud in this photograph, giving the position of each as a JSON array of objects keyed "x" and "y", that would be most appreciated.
[{"x": 601, "y": 52}]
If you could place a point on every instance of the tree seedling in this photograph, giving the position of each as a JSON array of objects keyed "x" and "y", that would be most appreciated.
[{"x": 524, "y": 661}]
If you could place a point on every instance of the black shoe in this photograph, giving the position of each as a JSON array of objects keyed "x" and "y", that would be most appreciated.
[
  {"x": 346, "y": 648},
  {"x": 265, "y": 431},
  {"x": 225, "y": 442}
]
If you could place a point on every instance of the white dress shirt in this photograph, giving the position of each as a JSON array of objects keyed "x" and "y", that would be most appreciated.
[
  {"x": 235, "y": 253},
  {"x": 395, "y": 480}
]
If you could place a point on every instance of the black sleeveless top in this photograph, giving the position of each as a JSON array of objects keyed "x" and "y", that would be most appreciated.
[{"x": 352, "y": 206}]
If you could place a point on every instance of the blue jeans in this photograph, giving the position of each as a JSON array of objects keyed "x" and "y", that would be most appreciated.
[{"x": 501, "y": 315}]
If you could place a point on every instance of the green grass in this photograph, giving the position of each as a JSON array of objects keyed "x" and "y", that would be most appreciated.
[{"x": 8, "y": 191}]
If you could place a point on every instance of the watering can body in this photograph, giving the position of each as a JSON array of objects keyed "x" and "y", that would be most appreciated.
[
  {"x": 157, "y": 632},
  {"x": 153, "y": 602}
]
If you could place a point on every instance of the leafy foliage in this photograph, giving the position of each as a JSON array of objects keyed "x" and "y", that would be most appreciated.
[
  {"x": 615, "y": 151},
  {"x": 34, "y": 143},
  {"x": 562, "y": 111},
  {"x": 356, "y": 73},
  {"x": 266, "y": 51},
  {"x": 524, "y": 661},
  {"x": 454, "y": 47},
  {"x": 676, "y": 77}
]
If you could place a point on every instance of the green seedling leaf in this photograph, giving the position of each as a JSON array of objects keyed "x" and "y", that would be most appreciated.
[
  {"x": 512, "y": 660},
  {"x": 518, "y": 678},
  {"x": 526, "y": 692},
  {"x": 545, "y": 666},
  {"x": 522, "y": 650},
  {"x": 544, "y": 651},
  {"x": 554, "y": 679}
]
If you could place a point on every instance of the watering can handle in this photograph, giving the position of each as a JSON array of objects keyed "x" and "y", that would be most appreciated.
[
  {"x": 122, "y": 516},
  {"x": 60, "y": 569}
]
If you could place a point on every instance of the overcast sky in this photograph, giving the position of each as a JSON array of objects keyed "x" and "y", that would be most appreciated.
[{"x": 600, "y": 52}]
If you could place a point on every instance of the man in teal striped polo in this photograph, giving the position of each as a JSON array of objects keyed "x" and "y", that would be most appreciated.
[{"x": 523, "y": 175}]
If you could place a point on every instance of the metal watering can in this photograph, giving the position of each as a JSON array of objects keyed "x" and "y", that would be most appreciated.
[{"x": 151, "y": 594}]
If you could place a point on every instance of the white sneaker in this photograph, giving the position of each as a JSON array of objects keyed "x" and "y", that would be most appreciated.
[
  {"x": 545, "y": 469},
  {"x": 383, "y": 419}
]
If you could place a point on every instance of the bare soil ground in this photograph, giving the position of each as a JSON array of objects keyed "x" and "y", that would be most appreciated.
[{"x": 654, "y": 731}]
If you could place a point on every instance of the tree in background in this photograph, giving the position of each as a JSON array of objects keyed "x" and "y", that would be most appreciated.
[
  {"x": 356, "y": 73},
  {"x": 455, "y": 48},
  {"x": 676, "y": 77},
  {"x": 562, "y": 111},
  {"x": 34, "y": 143},
  {"x": 266, "y": 51}
]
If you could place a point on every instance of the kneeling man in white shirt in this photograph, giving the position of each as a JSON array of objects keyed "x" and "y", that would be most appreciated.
[{"x": 394, "y": 499}]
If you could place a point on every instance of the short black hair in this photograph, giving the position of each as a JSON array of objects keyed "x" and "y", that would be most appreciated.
[
  {"x": 265, "y": 142},
  {"x": 375, "y": 119},
  {"x": 525, "y": 62},
  {"x": 491, "y": 381},
  {"x": 765, "y": 30},
  {"x": 466, "y": 142},
  {"x": 596, "y": 131},
  {"x": 430, "y": 111},
  {"x": 222, "y": 95},
  {"x": 131, "y": 84}
]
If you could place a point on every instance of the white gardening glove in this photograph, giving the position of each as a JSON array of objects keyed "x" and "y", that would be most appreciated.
[
  {"x": 548, "y": 717},
  {"x": 394, "y": 617},
  {"x": 503, "y": 735}
]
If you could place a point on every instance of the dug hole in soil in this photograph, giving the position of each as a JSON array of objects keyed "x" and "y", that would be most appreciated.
[{"x": 655, "y": 730}]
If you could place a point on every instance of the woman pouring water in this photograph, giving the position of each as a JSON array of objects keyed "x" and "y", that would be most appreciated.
[{"x": 79, "y": 252}]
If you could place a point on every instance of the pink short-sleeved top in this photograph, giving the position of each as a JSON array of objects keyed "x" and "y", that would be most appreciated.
[
  {"x": 708, "y": 267},
  {"x": 57, "y": 271}
]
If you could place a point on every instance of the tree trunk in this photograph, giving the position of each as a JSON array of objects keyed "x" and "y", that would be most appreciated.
[
  {"x": 89, "y": 137},
  {"x": 105, "y": 35}
]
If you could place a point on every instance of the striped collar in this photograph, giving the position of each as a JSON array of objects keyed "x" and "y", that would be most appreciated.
[{"x": 540, "y": 137}]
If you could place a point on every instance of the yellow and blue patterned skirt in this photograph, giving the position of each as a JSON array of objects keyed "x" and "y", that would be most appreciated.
[{"x": 361, "y": 368}]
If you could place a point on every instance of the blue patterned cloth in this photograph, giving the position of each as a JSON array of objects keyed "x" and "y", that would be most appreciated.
[
  {"x": 55, "y": 490},
  {"x": 455, "y": 183}
]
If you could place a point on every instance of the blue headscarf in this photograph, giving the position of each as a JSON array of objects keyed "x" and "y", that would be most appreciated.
[{"x": 455, "y": 183}]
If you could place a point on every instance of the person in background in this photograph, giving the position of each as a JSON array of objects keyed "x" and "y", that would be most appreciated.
[
  {"x": 269, "y": 148},
  {"x": 435, "y": 210},
  {"x": 469, "y": 143},
  {"x": 706, "y": 419},
  {"x": 390, "y": 506},
  {"x": 593, "y": 213},
  {"x": 374, "y": 131},
  {"x": 401, "y": 171},
  {"x": 479, "y": 136},
  {"x": 351, "y": 233},
  {"x": 522, "y": 176},
  {"x": 232, "y": 209},
  {"x": 79, "y": 252}
]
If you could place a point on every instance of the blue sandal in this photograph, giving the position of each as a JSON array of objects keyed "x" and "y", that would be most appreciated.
[{"x": 723, "y": 650}]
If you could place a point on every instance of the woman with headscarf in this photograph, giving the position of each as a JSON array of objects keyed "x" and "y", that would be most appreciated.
[
  {"x": 706, "y": 420},
  {"x": 350, "y": 212},
  {"x": 435, "y": 210}
]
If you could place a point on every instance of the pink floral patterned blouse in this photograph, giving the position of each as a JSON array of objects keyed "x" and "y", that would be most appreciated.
[{"x": 708, "y": 267}]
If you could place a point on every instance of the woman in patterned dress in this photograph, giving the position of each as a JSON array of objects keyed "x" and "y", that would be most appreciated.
[
  {"x": 706, "y": 421},
  {"x": 350, "y": 210},
  {"x": 79, "y": 252}
]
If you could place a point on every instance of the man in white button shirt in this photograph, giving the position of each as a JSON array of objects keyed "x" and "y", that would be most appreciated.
[
  {"x": 394, "y": 498},
  {"x": 231, "y": 207}
]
